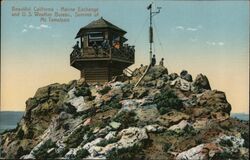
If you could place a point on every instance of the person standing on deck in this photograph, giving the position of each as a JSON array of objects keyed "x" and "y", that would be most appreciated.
[{"x": 76, "y": 46}]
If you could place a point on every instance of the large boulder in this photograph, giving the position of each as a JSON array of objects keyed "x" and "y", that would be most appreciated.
[
  {"x": 185, "y": 75},
  {"x": 172, "y": 118},
  {"x": 132, "y": 135},
  {"x": 50, "y": 91},
  {"x": 215, "y": 101},
  {"x": 115, "y": 125},
  {"x": 128, "y": 138},
  {"x": 158, "y": 71},
  {"x": 155, "y": 72},
  {"x": 201, "y": 152},
  {"x": 148, "y": 113},
  {"x": 78, "y": 102},
  {"x": 154, "y": 128},
  {"x": 173, "y": 76},
  {"x": 201, "y": 83},
  {"x": 180, "y": 126},
  {"x": 181, "y": 84}
]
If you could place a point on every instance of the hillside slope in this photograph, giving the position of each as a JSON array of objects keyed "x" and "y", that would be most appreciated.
[{"x": 167, "y": 116}]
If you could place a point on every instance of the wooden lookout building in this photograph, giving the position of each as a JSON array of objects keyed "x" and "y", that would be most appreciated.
[{"x": 102, "y": 52}]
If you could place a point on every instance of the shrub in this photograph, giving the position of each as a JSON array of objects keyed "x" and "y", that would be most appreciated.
[
  {"x": 187, "y": 132},
  {"x": 245, "y": 136},
  {"x": 115, "y": 104},
  {"x": 70, "y": 109},
  {"x": 166, "y": 146},
  {"x": 63, "y": 152},
  {"x": 124, "y": 153},
  {"x": 126, "y": 118},
  {"x": 167, "y": 100},
  {"x": 20, "y": 134},
  {"x": 106, "y": 142},
  {"x": 41, "y": 153},
  {"x": 224, "y": 155},
  {"x": 91, "y": 137},
  {"x": 75, "y": 138},
  {"x": 163, "y": 110},
  {"x": 105, "y": 90},
  {"x": 30, "y": 134},
  {"x": 83, "y": 91},
  {"x": 20, "y": 152},
  {"x": 82, "y": 153},
  {"x": 226, "y": 143},
  {"x": 169, "y": 133}
]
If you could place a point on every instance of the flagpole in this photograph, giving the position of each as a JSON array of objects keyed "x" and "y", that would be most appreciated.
[
  {"x": 151, "y": 14},
  {"x": 150, "y": 33}
]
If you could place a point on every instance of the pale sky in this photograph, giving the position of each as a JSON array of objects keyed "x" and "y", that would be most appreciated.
[{"x": 209, "y": 37}]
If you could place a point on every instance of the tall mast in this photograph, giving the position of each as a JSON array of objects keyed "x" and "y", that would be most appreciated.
[
  {"x": 151, "y": 14},
  {"x": 150, "y": 34}
]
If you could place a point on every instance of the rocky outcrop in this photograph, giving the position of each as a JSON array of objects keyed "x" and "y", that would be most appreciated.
[
  {"x": 222, "y": 148},
  {"x": 185, "y": 75},
  {"x": 167, "y": 116},
  {"x": 201, "y": 83}
]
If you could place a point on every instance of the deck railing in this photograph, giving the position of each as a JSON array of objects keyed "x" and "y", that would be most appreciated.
[{"x": 124, "y": 53}]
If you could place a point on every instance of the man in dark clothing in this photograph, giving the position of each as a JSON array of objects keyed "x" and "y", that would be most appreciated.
[
  {"x": 76, "y": 46},
  {"x": 153, "y": 61},
  {"x": 161, "y": 62},
  {"x": 105, "y": 44}
]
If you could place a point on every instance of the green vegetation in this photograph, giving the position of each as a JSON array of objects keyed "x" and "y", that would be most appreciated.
[
  {"x": 226, "y": 143},
  {"x": 163, "y": 110},
  {"x": 20, "y": 134},
  {"x": 29, "y": 134},
  {"x": 41, "y": 153},
  {"x": 76, "y": 137},
  {"x": 245, "y": 136},
  {"x": 224, "y": 155},
  {"x": 127, "y": 90},
  {"x": 126, "y": 118},
  {"x": 166, "y": 101},
  {"x": 105, "y": 90},
  {"x": 189, "y": 130},
  {"x": 115, "y": 104},
  {"x": 124, "y": 153},
  {"x": 186, "y": 132},
  {"x": 83, "y": 91},
  {"x": 106, "y": 142},
  {"x": 63, "y": 152},
  {"x": 169, "y": 133},
  {"x": 166, "y": 147},
  {"x": 82, "y": 153},
  {"x": 20, "y": 152}
]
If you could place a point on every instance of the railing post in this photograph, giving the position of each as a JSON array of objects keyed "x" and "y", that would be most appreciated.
[{"x": 110, "y": 53}]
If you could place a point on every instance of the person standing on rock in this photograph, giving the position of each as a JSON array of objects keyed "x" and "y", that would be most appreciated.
[
  {"x": 153, "y": 61},
  {"x": 161, "y": 62}
]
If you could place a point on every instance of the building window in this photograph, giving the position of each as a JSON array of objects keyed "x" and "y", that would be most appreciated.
[{"x": 95, "y": 38}]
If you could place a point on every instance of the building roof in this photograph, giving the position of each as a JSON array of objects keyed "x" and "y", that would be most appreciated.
[{"x": 99, "y": 24}]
